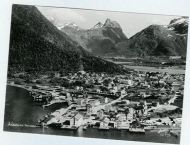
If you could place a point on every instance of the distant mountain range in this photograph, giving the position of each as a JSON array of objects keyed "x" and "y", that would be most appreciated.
[
  {"x": 108, "y": 39},
  {"x": 99, "y": 40},
  {"x": 158, "y": 40},
  {"x": 37, "y": 45}
]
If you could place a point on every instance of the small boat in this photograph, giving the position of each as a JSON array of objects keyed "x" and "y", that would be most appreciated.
[
  {"x": 68, "y": 127},
  {"x": 103, "y": 126},
  {"x": 137, "y": 130},
  {"x": 123, "y": 128},
  {"x": 85, "y": 127}
]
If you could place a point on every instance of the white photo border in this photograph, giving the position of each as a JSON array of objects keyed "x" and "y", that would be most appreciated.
[{"x": 165, "y": 7}]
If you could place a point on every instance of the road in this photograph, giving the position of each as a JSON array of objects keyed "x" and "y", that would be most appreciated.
[{"x": 99, "y": 107}]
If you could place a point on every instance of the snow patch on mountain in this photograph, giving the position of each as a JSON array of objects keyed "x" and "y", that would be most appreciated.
[
  {"x": 71, "y": 25},
  {"x": 180, "y": 21},
  {"x": 98, "y": 25}
]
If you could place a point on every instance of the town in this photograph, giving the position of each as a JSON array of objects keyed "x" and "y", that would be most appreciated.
[{"x": 136, "y": 101}]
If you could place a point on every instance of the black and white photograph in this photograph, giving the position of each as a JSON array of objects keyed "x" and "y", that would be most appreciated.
[{"x": 96, "y": 74}]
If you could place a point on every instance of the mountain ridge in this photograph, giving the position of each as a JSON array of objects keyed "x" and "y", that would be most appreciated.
[
  {"x": 100, "y": 39},
  {"x": 156, "y": 40},
  {"x": 37, "y": 45}
]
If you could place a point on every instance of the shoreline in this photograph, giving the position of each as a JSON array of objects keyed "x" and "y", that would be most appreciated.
[
  {"x": 156, "y": 129},
  {"x": 164, "y": 131},
  {"x": 38, "y": 129},
  {"x": 18, "y": 86}
]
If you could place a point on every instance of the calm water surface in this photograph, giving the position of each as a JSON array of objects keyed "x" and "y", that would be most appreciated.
[
  {"x": 169, "y": 70},
  {"x": 20, "y": 109}
]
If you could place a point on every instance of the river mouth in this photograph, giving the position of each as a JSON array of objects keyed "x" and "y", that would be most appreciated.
[{"x": 21, "y": 115}]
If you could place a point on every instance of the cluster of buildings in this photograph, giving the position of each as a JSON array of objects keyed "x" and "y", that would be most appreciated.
[
  {"x": 133, "y": 101},
  {"x": 130, "y": 101}
]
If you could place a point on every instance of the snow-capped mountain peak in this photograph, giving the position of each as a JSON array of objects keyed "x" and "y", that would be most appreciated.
[
  {"x": 60, "y": 27},
  {"x": 98, "y": 25},
  {"x": 178, "y": 21},
  {"x": 179, "y": 25},
  {"x": 110, "y": 23},
  {"x": 70, "y": 25}
]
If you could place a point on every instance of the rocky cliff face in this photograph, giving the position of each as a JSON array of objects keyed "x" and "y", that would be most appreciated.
[{"x": 100, "y": 39}]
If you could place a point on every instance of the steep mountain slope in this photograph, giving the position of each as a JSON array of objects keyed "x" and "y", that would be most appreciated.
[
  {"x": 99, "y": 40},
  {"x": 179, "y": 25},
  {"x": 37, "y": 45},
  {"x": 157, "y": 40}
]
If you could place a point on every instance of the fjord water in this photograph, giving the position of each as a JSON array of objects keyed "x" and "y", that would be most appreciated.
[{"x": 20, "y": 110}]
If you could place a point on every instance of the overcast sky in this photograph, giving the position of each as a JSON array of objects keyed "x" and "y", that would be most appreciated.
[{"x": 131, "y": 23}]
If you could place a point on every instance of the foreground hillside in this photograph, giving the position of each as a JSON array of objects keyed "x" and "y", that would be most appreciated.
[{"x": 37, "y": 45}]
